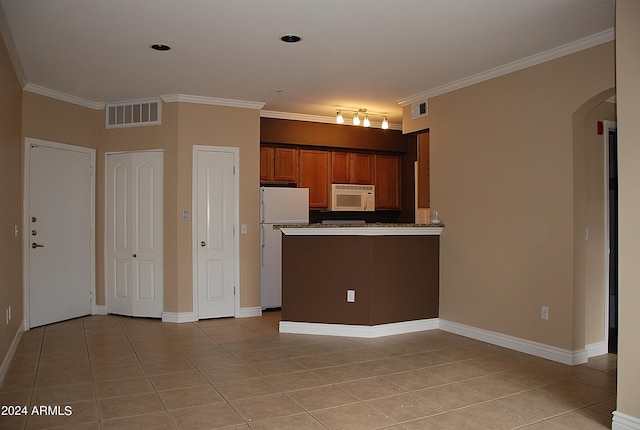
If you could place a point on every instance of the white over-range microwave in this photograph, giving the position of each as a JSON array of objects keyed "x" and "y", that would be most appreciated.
[{"x": 356, "y": 198}]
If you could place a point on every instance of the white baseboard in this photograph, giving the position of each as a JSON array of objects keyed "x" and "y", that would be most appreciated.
[
  {"x": 624, "y": 422},
  {"x": 182, "y": 317},
  {"x": 595, "y": 349},
  {"x": 527, "y": 346},
  {"x": 250, "y": 312},
  {"x": 99, "y": 310},
  {"x": 8, "y": 358},
  {"x": 517, "y": 344},
  {"x": 178, "y": 317},
  {"x": 358, "y": 330}
]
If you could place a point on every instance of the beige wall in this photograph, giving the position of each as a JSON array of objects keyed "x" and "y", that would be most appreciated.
[
  {"x": 165, "y": 137},
  {"x": 58, "y": 121},
  {"x": 502, "y": 181},
  {"x": 10, "y": 196},
  {"x": 183, "y": 126},
  {"x": 627, "y": 72},
  {"x": 231, "y": 127}
]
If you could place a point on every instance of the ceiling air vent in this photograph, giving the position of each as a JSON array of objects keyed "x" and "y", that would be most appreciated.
[
  {"x": 134, "y": 113},
  {"x": 419, "y": 109}
]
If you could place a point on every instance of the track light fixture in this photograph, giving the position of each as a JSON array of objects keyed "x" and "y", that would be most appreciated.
[{"x": 361, "y": 116}]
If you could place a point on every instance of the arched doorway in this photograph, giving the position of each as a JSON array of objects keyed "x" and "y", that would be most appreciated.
[{"x": 591, "y": 222}]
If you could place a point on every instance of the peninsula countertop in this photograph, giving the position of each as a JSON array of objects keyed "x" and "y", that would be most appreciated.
[{"x": 360, "y": 229}]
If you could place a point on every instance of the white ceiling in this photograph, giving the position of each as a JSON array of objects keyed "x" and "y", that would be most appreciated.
[{"x": 368, "y": 54}]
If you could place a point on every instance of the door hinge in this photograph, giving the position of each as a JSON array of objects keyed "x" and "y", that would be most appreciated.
[
  {"x": 234, "y": 170},
  {"x": 234, "y": 290}
]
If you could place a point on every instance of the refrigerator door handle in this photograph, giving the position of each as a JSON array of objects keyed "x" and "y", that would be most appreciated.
[
  {"x": 261, "y": 244},
  {"x": 261, "y": 210}
]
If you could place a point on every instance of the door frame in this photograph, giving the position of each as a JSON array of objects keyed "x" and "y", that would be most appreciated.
[
  {"x": 607, "y": 126},
  {"x": 236, "y": 222},
  {"x": 29, "y": 143}
]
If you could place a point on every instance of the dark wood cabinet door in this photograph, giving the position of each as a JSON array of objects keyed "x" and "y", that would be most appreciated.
[
  {"x": 424, "y": 195},
  {"x": 266, "y": 163},
  {"x": 352, "y": 168},
  {"x": 387, "y": 181},
  {"x": 340, "y": 167},
  {"x": 314, "y": 174},
  {"x": 362, "y": 168},
  {"x": 286, "y": 165}
]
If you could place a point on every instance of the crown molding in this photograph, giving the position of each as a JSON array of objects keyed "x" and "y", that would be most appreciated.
[
  {"x": 43, "y": 91},
  {"x": 552, "y": 54},
  {"x": 319, "y": 118},
  {"x": 185, "y": 98}
]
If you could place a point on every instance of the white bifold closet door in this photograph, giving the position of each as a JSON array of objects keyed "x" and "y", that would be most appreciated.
[{"x": 134, "y": 233}]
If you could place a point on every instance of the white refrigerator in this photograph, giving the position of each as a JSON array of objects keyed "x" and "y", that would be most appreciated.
[{"x": 278, "y": 205}]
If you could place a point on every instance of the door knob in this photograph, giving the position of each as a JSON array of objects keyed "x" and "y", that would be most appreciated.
[
  {"x": 203, "y": 243},
  {"x": 36, "y": 245}
]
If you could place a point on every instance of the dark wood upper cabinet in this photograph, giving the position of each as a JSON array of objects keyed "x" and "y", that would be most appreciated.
[
  {"x": 266, "y": 163},
  {"x": 387, "y": 181},
  {"x": 286, "y": 165},
  {"x": 340, "y": 167},
  {"x": 352, "y": 168},
  {"x": 278, "y": 164},
  {"x": 424, "y": 195},
  {"x": 314, "y": 174},
  {"x": 363, "y": 168},
  {"x": 317, "y": 169}
]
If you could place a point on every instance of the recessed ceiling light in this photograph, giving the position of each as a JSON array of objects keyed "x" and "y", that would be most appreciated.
[
  {"x": 160, "y": 47},
  {"x": 291, "y": 38}
]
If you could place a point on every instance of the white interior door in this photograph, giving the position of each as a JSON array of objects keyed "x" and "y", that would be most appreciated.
[
  {"x": 215, "y": 204},
  {"x": 60, "y": 232},
  {"x": 134, "y": 233}
]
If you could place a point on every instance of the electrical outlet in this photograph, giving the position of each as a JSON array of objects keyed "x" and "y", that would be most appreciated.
[
  {"x": 351, "y": 296},
  {"x": 544, "y": 313}
]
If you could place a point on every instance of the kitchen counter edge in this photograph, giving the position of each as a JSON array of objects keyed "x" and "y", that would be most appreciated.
[{"x": 377, "y": 229}]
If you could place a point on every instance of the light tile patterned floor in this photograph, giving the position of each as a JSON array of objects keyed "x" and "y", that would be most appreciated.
[{"x": 131, "y": 373}]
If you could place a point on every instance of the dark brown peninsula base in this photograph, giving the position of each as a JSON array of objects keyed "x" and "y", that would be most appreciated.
[{"x": 394, "y": 277}]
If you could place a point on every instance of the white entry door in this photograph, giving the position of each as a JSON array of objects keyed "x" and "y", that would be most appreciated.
[
  {"x": 134, "y": 233},
  {"x": 215, "y": 213},
  {"x": 60, "y": 231}
]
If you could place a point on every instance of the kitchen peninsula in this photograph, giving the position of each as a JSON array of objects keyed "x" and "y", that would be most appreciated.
[{"x": 362, "y": 280}]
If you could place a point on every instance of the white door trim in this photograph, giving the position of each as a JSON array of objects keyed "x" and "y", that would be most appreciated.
[
  {"x": 28, "y": 143},
  {"x": 194, "y": 224}
]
